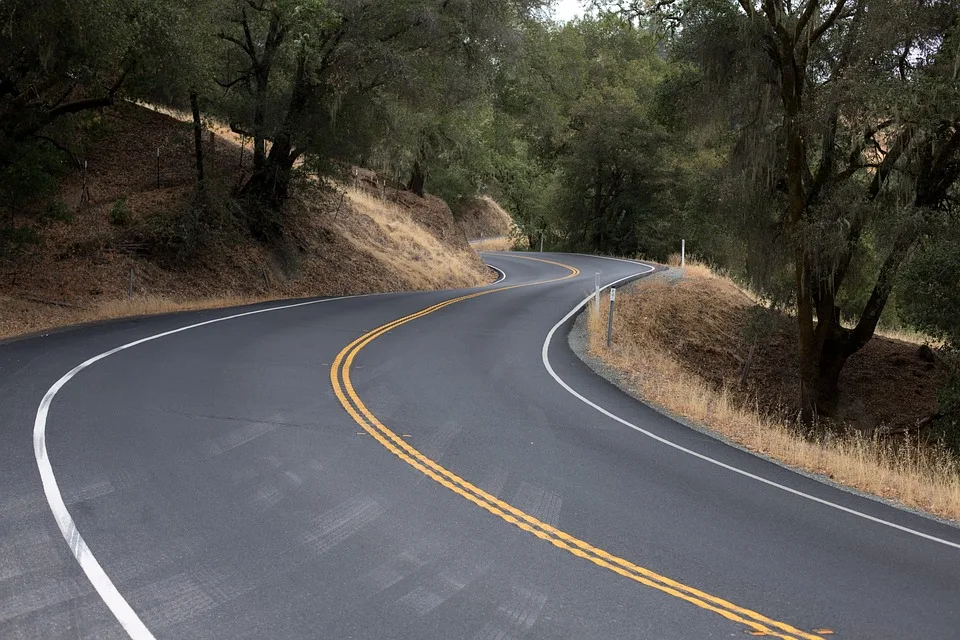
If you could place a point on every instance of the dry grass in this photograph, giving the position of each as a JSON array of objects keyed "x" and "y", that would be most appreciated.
[
  {"x": 905, "y": 334},
  {"x": 427, "y": 258},
  {"x": 482, "y": 217},
  {"x": 698, "y": 268},
  {"x": 153, "y": 305},
  {"x": 919, "y": 477},
  {"x": 493, "y": 244},
  {"x": 371, "y": 246},
  {"x": 692, "y": 266}
]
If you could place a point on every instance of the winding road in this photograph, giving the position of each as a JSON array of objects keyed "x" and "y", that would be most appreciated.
[{"x": 433, "y": 465}]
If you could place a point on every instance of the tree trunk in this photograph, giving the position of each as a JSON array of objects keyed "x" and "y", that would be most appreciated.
[
  {"x": 197, "y": 138},
  {"x": 271, "y": 182},
  {"x": 821, "y": 365},
  {"x": 259, "y": 117},
  {"x": 822, "y": 388},
  {"x": 269, "y": 185},
  {"x": 598, "y": 210},
  {"x": 417, "y": 179}
]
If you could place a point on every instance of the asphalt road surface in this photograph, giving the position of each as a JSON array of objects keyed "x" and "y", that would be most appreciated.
[{"x": 416, "y": 466}]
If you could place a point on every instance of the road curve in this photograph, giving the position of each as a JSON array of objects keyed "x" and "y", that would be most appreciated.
[{"x": 406, "y": 466}]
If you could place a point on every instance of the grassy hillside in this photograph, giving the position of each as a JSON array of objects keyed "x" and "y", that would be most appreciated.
[
  {"x": 482, "y": 218},
  {"x": 75, "y": 265}
]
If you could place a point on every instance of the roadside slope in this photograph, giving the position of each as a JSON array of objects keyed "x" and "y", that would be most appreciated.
[
  {"x": 130, "y": 211},
  {"x": 483, "y": 217},
  {"x": 681, "y": 341}
]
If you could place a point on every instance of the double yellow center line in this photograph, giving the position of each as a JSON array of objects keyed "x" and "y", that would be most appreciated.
[{"x": 757, "y": 624}]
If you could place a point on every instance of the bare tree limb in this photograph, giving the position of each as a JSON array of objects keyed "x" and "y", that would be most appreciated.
[
  {"x": 228, "y": 85},
  {"x": 805, "y": 15},
  {"x": 236, "y": 41},
  {"x": 60, "y": 147},
  {"x": 91, "y": 103},
  {"x": 830, "y": 20},
  {"x": 238, "y": 130}
]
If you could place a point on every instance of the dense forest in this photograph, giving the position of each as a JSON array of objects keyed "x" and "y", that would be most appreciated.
[{"x": 811, "y": 148}]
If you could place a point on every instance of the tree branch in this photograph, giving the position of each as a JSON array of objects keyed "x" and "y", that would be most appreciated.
[
  {"x": 90, "y": 103},
  {"x": 228, "y": 85},
  {"x": 832, "y": 18},
  {"x": 805, "y": 15},
  {"x": 893, "y": 155},
  {"x": 60, "y": 147},
  {"x": 236, "y": 41},
  {"x": 236, "y": 129},
  {"x": 251, "y": 47},
  {"x": 870, "y": 317}
]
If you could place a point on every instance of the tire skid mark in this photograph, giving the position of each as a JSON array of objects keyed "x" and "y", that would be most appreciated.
[
  {"x": 52, "y": 592},
  {"x": 436, "y": 588},
  {"x": 494, "y": 480},
  {"x": 173, "y": 600},
  {"x": 514, "y": 617},
  {"x": 238, "y": 437},
  {"x": 89, "y": 491},
  {"x": 542, "y": 504},
  {"x": 340, "y": 523}
]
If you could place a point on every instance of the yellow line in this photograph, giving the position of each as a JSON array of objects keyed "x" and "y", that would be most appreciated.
[{"x": 347, "y": 395}]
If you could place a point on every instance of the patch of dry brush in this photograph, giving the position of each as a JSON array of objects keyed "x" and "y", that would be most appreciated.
[
  {"x": 662, "y": 330},
  {"x": 494, "y": 244}
]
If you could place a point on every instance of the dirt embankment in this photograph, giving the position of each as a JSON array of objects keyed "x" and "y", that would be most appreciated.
[
  {"x": 709, "y": 326},
  {"x": 117, "y": 217},
  {"x": 482, "y": 217}
]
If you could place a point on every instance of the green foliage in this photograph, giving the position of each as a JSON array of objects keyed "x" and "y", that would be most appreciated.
[
  {"x": 17, "y": 241},
  {"x": 592, "y": 166},
  {"x": 932, "y": 304},
  {"x": 120, "y": 214},
  {"x": 31, "y": 178},
  {"x": 931, "y": 278},
  {"x": 57, "y": 211}
]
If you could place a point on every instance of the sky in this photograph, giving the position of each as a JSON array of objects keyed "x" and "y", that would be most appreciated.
[{"x": 564, "y": 10}]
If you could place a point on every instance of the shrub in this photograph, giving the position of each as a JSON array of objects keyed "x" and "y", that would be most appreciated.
[
  {"x": 120, "y": 214},
  {"x": 57, "y": 211},
  {"x": 15, "y": 241},
  {"x": 27, "y": 173}
]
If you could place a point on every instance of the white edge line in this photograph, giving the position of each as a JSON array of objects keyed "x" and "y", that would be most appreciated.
[
  {"x": 503, "y": 276},
  {"x": 104, "y": 586},
  {"x": 569, "y": 389}
]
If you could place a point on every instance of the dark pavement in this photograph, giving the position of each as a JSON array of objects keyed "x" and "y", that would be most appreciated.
[{"x": 226, "y": 493}]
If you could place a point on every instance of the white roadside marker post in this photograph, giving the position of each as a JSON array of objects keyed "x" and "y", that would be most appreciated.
[
  {"x": 683, "y": 254},
  {"x": 596, "y": 291},
  {"x": 613, "y": 296}
]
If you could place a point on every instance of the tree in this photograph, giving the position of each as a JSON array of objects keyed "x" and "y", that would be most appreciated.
[
  {"x": 847, "y": 120},
  {"x": 301, "y": 63},
  {"x": 59, "y": 58},
  {"x": 934, "y": 307},
  {"x": 585, "y": 96}
]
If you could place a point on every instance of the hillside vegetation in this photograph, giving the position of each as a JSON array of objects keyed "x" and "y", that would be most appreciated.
[
  {"x": 482, "y": 217},
  {"x": 338, "y": 239},
  {"x": 695, "y": 344}
]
